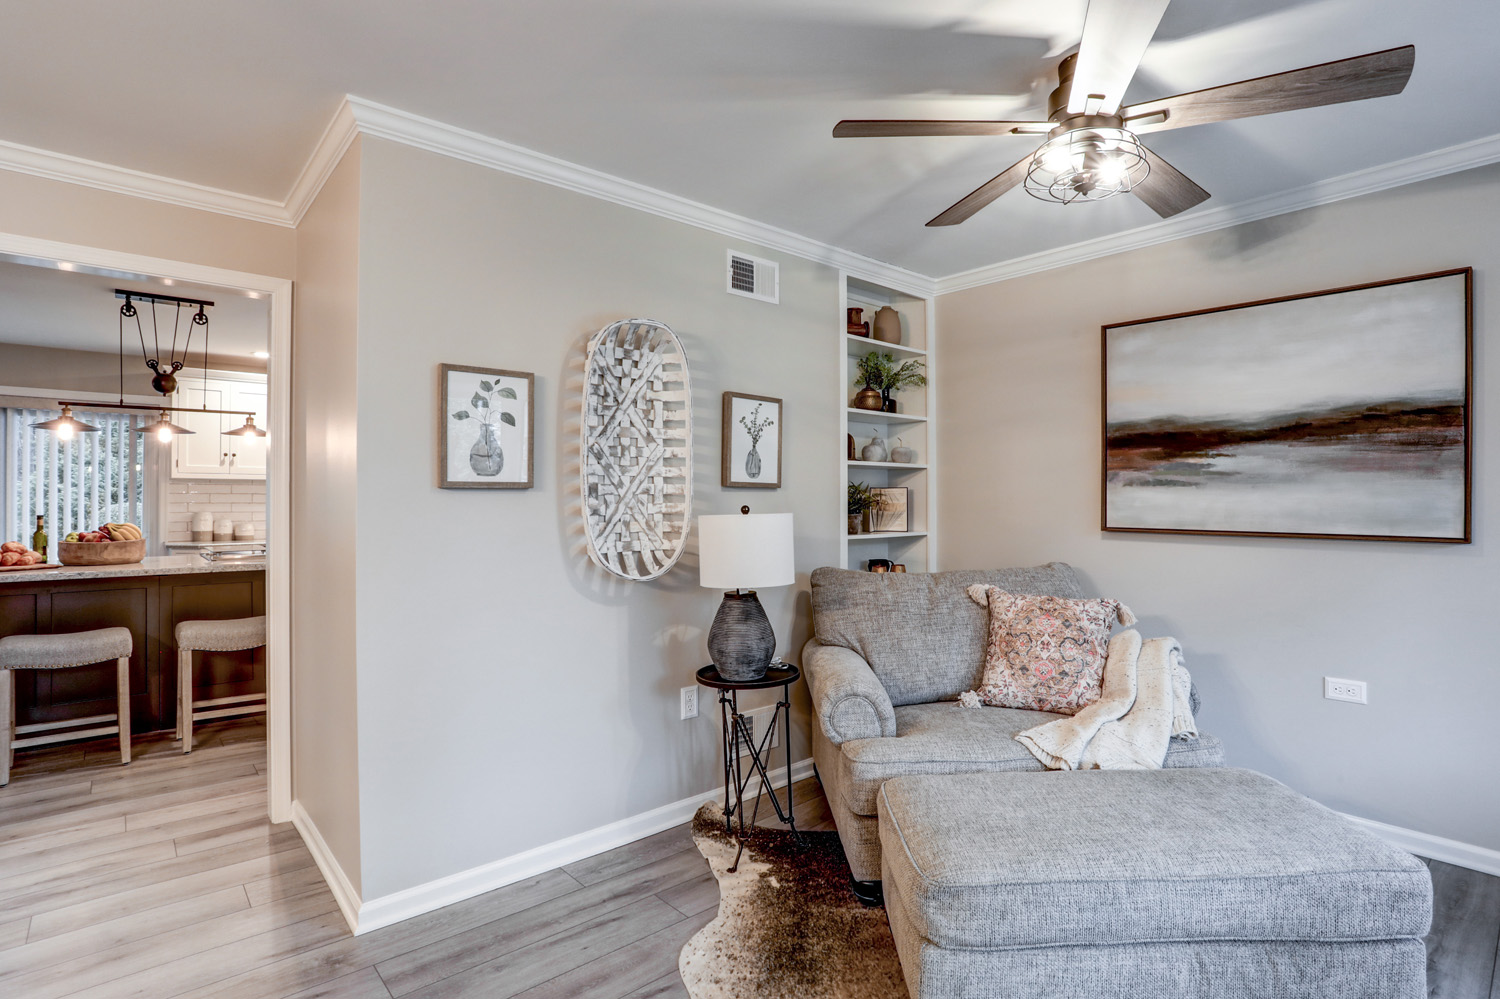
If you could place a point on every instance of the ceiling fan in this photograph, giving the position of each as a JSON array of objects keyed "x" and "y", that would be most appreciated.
[{"x": 1092, "y": 150}]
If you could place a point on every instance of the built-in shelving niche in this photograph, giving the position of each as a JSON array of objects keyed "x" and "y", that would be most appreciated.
[{"x": 916, "y": 548}]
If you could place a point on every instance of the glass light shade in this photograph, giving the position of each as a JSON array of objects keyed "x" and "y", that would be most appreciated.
[
  {"x": 1088, "y": 164},
  {"x": 744, "y": 551},
  {"x": 66, "y": 425},
  {"x": 248, "y": 430}
]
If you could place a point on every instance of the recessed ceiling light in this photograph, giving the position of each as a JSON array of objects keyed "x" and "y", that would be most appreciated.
[{"x": 262, "y": 354}]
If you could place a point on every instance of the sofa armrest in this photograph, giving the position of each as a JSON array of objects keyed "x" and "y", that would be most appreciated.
[{"x": 847, "y": 699}]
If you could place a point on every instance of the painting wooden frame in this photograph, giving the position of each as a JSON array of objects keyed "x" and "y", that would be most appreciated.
[
  {"x": 506, "y": 387},
  {"x": 891, "y": 512},
  {"x": 735, "y": 469},
  {"x": 1343, "y": 414}
]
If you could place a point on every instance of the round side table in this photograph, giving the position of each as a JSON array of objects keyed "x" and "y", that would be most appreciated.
[{"x": 737, "y": 731}]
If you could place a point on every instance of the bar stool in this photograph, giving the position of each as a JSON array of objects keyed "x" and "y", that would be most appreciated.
[
  {"x": 78, "y": 648},
  {"x": 232, "y": 635}
]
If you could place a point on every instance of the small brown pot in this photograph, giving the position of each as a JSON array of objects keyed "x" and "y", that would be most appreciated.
[
  {"x": 854, "y": 325},
  {"x": 868, "y": 398},
  {"x": 854, "y": 520}
]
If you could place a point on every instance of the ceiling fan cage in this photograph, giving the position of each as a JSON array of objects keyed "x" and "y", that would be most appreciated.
[{"x": 1087, "y": 164}]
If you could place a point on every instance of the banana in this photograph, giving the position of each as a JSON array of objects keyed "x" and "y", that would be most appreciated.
[{"x": 123, "y": 532}]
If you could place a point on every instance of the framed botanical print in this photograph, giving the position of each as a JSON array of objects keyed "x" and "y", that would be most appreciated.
[
  {"x": 751, "y": 443},
  {"x": 1339, "y": 414},
  {"x": 486, "y": 416},
  {"x": 891, "y": 510}
]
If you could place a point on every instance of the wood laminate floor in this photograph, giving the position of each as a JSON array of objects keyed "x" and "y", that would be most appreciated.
[{"x": 164, "y": 879}]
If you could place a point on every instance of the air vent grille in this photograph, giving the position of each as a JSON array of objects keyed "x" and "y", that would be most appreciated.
[
  {"x": 756, "y": 721},
  {"x": 753, "y": 277}
]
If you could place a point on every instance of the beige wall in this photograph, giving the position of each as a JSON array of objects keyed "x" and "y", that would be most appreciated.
[
  {"x": 27, "y": 366},
  {"x": 510, "y": 693},
  {"x": 70, "y": 213},
  {"x": 1262, "y": 620},
  {"x": 324, "y": 408}
]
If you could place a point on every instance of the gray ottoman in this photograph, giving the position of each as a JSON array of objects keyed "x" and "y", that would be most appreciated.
[{"x": 1127, "y": 883}]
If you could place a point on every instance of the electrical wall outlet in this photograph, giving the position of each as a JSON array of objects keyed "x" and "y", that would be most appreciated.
[
  {"x": 689, "y": 696},
  {"x": 1345, "y": 690}
]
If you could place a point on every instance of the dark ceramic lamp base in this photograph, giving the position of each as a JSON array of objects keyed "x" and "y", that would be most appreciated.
[{"x": 741, "y": 642}]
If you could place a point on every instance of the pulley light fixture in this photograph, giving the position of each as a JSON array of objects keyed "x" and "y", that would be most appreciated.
[{"x": 163, "y": 370}]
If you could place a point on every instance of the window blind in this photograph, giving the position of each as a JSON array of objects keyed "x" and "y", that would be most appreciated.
[{"x": 76, "y": 485}]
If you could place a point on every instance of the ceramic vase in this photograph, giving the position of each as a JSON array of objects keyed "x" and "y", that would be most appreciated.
[
  {"x": 752, "y": 463},
  {"x": 888, "y": 325},
  {"x": 854, "y": 522},
  {"x": 485, "y": 457}
]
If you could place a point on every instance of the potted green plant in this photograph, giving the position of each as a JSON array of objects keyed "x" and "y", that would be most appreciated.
[
  {"x": 882, "y": 374},
  {"x": 861, "y": 499}
]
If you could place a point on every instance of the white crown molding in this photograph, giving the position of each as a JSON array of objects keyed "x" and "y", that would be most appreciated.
[
  {"x": 121, "y": 180},
  {"x": 332, "y": 145},
  {"x": 1425, "y": 166},
  {"x": 411, "y": 902},
  {"x": 1449, "y": 851},
  {"x": 435, "y": 136}
]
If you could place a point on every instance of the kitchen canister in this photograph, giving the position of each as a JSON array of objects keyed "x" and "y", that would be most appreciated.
[
  {"x": 203, "y": 526},
  {"x": 224, "y": 529},
  {"x": 244, "y": 531}
]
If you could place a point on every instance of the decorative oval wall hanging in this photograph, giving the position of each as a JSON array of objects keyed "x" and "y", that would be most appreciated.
[{"x": 637, "y": 454}]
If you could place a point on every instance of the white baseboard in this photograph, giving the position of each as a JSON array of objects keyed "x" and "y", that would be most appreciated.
[
  {"x": 338, "y": 882},
  {"x": 1449, "y": 851},
  {"x": 387, "y": 909}
]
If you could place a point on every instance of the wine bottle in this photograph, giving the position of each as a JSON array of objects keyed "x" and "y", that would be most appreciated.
[{"x": 39, "y": 539}]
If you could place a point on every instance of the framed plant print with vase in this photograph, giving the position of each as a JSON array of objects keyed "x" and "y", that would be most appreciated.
[
  {"x": 1341, "y": 414},
  {"x": 486, "y": 418},
  {"x": 751, "y": 443}
]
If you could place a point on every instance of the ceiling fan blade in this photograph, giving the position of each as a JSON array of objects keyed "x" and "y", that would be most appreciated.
[
  {"x": 856, "y": 128},
  {"x": 1115, "y": 36},
  {"x": 984, "y": 194},
  {"x": 1167, "y": 189},
  {"x": 1378, "y": 74}
]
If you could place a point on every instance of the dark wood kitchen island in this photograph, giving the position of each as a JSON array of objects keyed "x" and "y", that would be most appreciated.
[{"x": 149, "y": 598}]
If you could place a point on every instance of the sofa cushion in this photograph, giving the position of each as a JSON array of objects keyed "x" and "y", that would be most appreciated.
[
  {"x": 1045, "y": 653},
  {"x": 1126, "y": 856},
  {"x": 944, "y": 738},
  {"x": 920, "y": 632}
]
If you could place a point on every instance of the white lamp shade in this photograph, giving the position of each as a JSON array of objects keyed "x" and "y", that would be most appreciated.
[{"x": 743, "y": 551}]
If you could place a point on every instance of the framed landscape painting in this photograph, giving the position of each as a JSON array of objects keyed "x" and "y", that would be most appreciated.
[
  {"x": 1338, "y": 414},
  {"x": 485, "y": 416}
]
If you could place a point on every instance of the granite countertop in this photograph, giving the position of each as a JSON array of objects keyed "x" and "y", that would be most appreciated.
[{"x": 164, "y": 565}]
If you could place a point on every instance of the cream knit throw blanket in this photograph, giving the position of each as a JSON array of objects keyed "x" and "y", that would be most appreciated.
[{"x": 1143, "y": 703}]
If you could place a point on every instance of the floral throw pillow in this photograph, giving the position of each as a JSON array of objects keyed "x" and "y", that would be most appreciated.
[{"x": 1045, "y": 653}]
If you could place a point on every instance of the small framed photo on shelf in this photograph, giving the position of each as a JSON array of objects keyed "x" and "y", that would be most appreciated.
[
  {"x": 486, "y": 416},
  {"x": 892, "y": 509},
  {"x": 752, "y": 442}
]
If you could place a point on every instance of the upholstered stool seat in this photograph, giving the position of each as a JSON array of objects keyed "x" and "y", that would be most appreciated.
[
  {"x": 64, "y": 651},
  {"x": 232, "y": 635},
  {"x": 1125, "y": 883}
]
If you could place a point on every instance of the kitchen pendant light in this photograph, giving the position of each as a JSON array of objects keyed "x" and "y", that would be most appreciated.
[
  {"x": 248, "y": 430},
  {"x": 66, "y": 425},
  {"x": 163, "y": 428}
]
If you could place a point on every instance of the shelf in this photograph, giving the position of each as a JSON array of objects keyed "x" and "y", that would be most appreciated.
[
  {"x": 859, "y": 346},
  {"x": 885, "y": 419},
  {"x": 888, "y": 464},
  {"x": 886, "y": 535}
]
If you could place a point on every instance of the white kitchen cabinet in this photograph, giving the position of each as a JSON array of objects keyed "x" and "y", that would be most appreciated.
[{"x": 206, "y": 453}]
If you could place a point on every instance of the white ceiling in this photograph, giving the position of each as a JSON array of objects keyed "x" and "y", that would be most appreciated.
[
  {"x": 48, "y": 307},
  {"x": 731, "y": 103}
]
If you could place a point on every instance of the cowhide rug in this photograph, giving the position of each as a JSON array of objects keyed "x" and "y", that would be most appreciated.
[{"x": 788, "y": 925}]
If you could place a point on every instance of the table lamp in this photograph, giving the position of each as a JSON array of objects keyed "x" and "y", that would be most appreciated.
[{"x": 737, "y": 552}]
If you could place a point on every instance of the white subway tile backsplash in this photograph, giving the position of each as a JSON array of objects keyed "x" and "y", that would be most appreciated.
[
  {"x": 224, "y": 497},
  {"x": 249, "y": 487}
]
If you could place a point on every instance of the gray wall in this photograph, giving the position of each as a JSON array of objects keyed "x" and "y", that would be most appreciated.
[
  {"x": 27, "y": 366},
  {"x": 325, "y": 764},
  {"x": 511, "y": 694},
  {"x": 1262, "y": 621}
]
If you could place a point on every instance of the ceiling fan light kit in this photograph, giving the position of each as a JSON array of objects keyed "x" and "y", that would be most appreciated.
[{"x": 1092, "y": 153}]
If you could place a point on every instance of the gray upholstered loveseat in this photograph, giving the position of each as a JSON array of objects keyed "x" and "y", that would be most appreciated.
[{"x": 890, "y": 653}]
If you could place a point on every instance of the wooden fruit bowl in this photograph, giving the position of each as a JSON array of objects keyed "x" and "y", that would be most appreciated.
[{"x": 100, "y": 552}]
